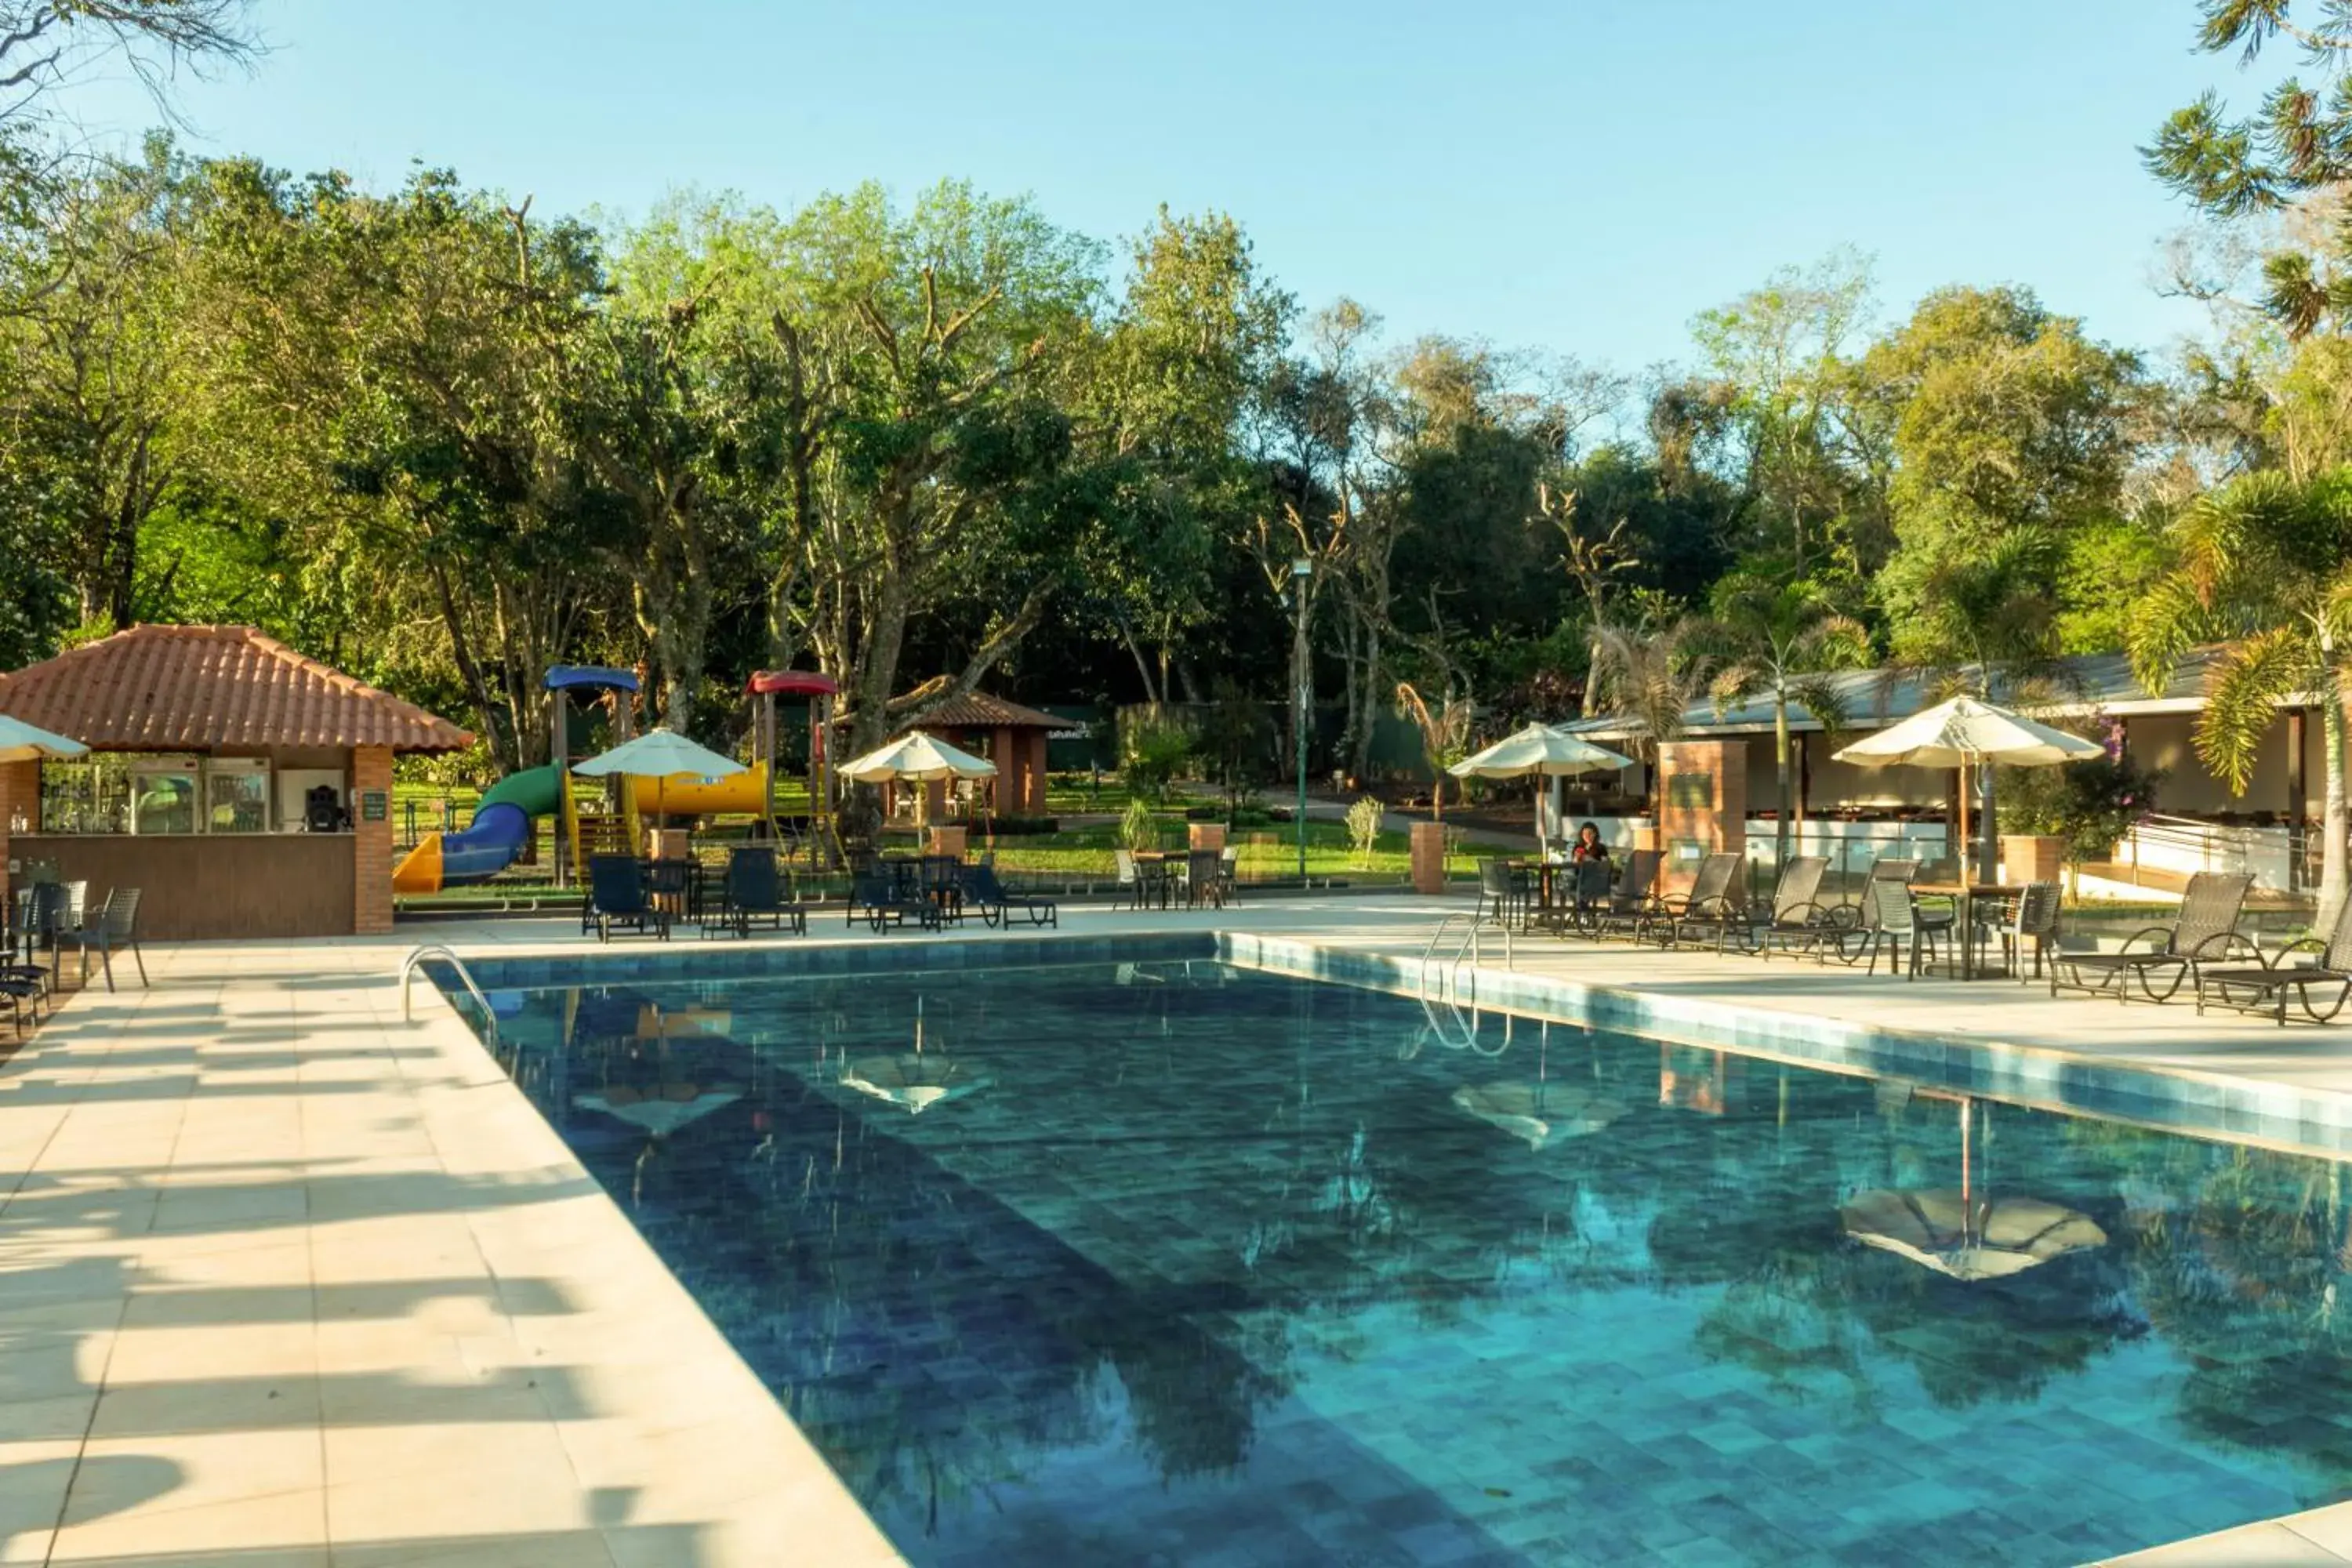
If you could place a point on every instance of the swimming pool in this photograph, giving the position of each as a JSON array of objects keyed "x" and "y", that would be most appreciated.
[{"x": 1167, "y": 1261}]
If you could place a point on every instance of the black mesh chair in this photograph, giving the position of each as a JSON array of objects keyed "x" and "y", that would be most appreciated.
[
  {"x": 620, "y": 898},
  {"x": 759, "y": 894},
  {"x": 111, "y": 928},
  {"x": 878, "y": 896},
  {"x": 1715, "y": 906},
  {"x": 1898, "y": 927},
  {"x": 1798, "y": 920},
  {"x": 996, "y": 902}
]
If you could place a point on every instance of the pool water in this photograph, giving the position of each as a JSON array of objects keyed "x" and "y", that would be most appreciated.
[{"x": 1173, "y": 1263}]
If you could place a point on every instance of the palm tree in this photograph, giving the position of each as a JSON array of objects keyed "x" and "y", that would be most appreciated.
[
  {"x": 1986, "y": 625},
  {"x": 2265, "y": 567},
  {"x": 1649, "y": 676},
  {"x": 1780, "y": 640},
  {"x": 1445, "y": 730}
]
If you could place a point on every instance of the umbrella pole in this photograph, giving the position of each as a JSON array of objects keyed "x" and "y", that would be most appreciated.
[{"x": 1967, "y": 852}]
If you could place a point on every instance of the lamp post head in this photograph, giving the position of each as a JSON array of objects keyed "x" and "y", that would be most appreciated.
[{"x": 1302, "y": 568}]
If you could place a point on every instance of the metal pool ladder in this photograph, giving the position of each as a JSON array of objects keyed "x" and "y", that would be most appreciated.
[
  {"x": 1466, "y": 949},
  {"x": 420, "y": 956}
]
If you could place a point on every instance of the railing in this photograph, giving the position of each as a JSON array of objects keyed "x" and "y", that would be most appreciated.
[
  {"x": 2275, "y": 857},
  {"x": 420, "y": 956},
  {"x": 1468, "y": 949}
]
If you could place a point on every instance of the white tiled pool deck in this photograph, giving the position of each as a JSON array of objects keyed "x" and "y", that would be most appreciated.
[{"x": 286, "y": 1282}]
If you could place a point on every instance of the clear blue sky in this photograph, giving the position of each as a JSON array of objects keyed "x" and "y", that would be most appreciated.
[{"x": 1582, "y": 177}]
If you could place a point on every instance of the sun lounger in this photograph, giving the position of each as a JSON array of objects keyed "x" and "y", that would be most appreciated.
[
  {"x": 619, "y": 900},
  {"x": 2206, "y": 932},
  {"x": 996, "y": 902},
  {"x": 1798, "y": 920},
  {"x": 1716, "y": 906},
  {"x": 2265, "y": 988}
]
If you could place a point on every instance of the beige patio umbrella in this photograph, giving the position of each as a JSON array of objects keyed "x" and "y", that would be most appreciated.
[
  {"x": 1965, "y": 733},
  {"x": 913, "y": 1080},
  {"x": 1965, "y": 1234},
  {"x": 917, "y": 758},
  {"x": 1541, "y": 751}
]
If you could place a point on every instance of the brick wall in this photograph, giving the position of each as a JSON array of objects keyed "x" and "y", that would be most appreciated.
[{"x": 371, "y": 843}]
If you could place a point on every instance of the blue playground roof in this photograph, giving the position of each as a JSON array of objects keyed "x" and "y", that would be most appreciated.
[{"x": 590, "y": 678}]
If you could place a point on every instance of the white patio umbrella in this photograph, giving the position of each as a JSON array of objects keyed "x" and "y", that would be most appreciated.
[
  {"x": 1541, "y": 751},
  {"x": 660, "y": 755},
  {"x": 1967, "y": 1233},
  {"x": 1965, "y": 733},
  {"x": 22, "y": 743},
  {"x": 917, "y": 758}
]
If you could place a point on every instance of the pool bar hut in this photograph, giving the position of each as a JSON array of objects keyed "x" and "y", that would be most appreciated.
[{"x": 244, "y": 788}]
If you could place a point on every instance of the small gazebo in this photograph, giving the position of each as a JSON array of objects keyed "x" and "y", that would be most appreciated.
[{"x": 1006, "y": 734}]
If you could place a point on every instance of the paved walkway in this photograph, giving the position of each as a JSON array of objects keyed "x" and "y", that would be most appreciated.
[{"x": 284, "y": 1282}]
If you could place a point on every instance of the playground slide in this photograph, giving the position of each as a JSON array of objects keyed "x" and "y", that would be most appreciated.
[
  {"x": 745, "y": 794},
  {"x": 501, "y": 827}
]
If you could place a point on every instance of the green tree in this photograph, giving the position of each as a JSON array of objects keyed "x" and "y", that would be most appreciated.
[
  {"x": 2001, "y": 417},
  {"x": 2264, "y": 567},
  {"x": 1779, "y": 639}
]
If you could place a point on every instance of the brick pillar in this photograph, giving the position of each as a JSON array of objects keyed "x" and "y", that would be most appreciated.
[
  {"x": 1703, "y": 794},
  {"x": 1033, "y": 772},
  {"x": 371, "y": 841},
  {"x": 1428, "y": 858}
]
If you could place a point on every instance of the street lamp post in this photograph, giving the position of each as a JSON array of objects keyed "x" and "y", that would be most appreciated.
[{"x": 1301, "y": 570}]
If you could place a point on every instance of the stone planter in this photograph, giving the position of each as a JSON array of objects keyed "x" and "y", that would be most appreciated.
[
  {"x": 1206, "y": 834},
  {"x": 949, "y": 841}
]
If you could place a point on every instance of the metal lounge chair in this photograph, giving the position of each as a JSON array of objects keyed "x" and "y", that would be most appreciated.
[
  {"x": 2206, "y": 932},
  {"x": 759, "y": 894},
  {"x": 2265, "y": 988},
  {"x": 619, "y": 900},
  {"x": 113, "y": 928},
  {"x": 996, "y": 902},
  {"x": 1798, "y": 919},
  {"x": 877, "y": 897},
  {"x": 1717, "y": 903},
  {"x": 1898, "y": 926},
  {"x": 1633, "y": 906}
]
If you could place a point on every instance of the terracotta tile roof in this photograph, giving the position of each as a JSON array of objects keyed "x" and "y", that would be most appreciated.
[
  {"x": 186, "y": 688},
  {"x": 979, "y": 711}
]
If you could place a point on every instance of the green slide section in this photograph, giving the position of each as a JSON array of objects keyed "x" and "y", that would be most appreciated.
[{"x": 538, "y": 791}]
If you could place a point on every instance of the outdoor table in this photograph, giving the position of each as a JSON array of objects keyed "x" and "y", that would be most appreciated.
[
  {"x": 1965, "y": 894},
  {"x": 1156, "y": 869}
]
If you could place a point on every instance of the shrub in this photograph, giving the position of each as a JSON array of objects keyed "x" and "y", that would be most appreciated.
[
  {"x": 1137, "y": 827},
  {"x": 1363, "y": 828}
]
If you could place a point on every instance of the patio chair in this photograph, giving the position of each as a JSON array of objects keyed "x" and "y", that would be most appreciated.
[
  {"x": 2206, "y": 932},
  {"x": 877, "y": 896},
  {"x": 940, "y": 882},
  {"x": 1229, "y": 869},
  {"x": 1898, "y": 926},
  {"x": 1798, "y": 920},
  {"x": 619, "y": 899},
  {"x": 113, "y": 927},
  {"x": 2030, "y": 917},
  {"x": 1717, "y": 903},
  {"x": 2263, "y": 988},
  {"x": 1202, "y": 882},
  {"x": 1850, "y": 945},
  {"x": 759, "y": 893},
  {"x": 1633, "y": 906},
  {"x": 1131, "y": 885},
  {"x": 1502, "y": 891},
  {"x": 996, "y": 902},
  {"x": 1587, "y": 894}
]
